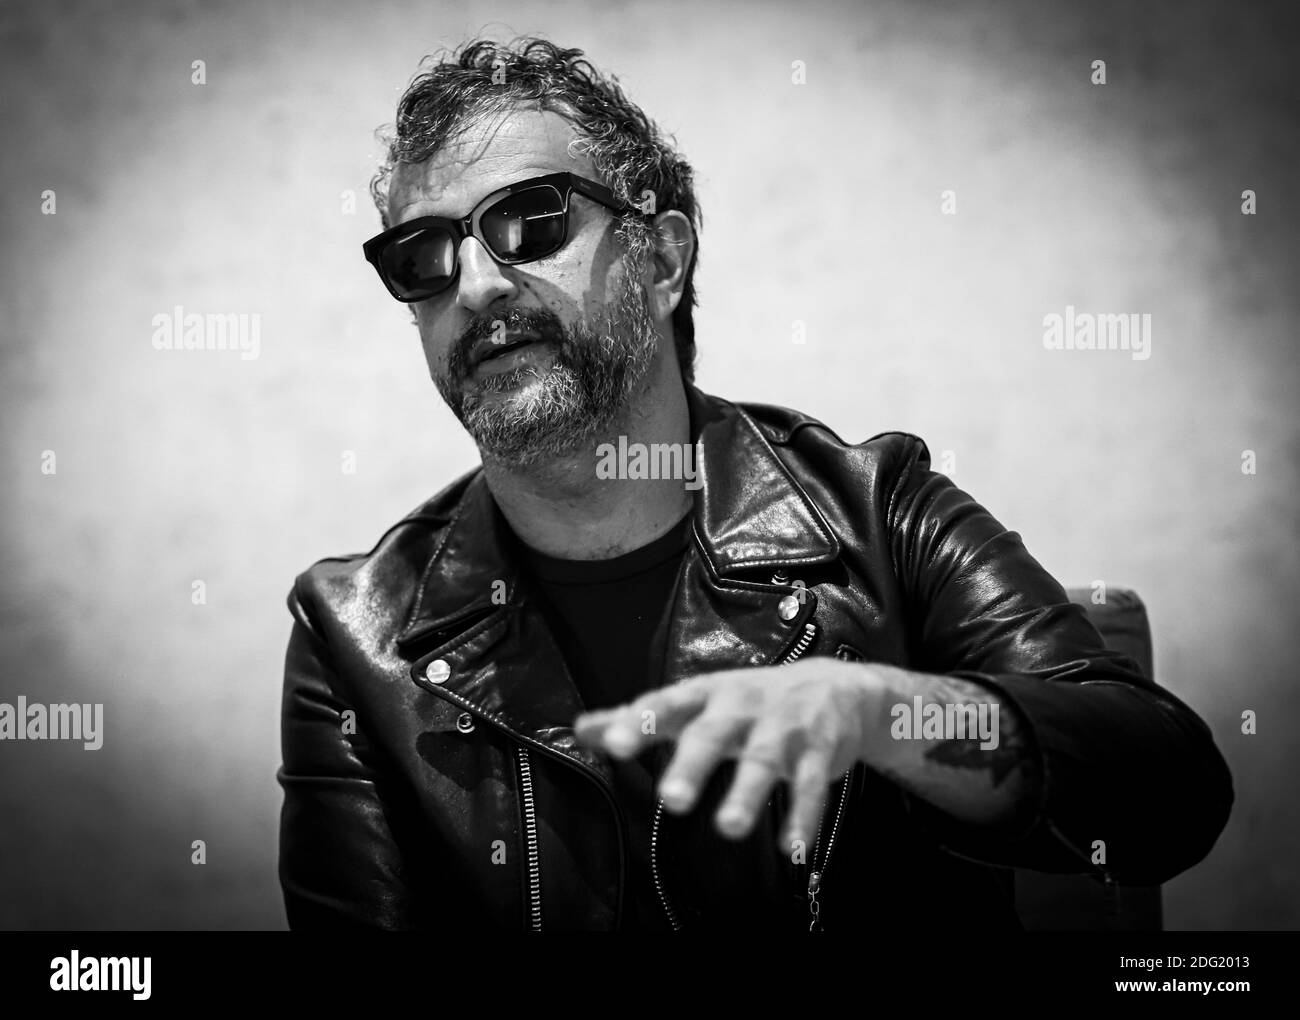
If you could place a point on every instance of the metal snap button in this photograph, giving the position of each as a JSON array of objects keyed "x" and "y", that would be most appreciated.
[
  {"x": 437, "y": 671},
  {"x": 788, "y": 608},
  {"x": 465, "y": 722}
]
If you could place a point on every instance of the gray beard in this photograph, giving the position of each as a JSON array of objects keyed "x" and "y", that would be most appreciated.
[{"x": 595, "y": 374}]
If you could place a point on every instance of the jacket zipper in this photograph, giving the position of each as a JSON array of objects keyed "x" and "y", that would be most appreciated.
[
  {"x": 620, "y": 823},
  {"x": 654, "y": 869},
  {"x": 1111, "y": 886},
  {"x": 815, "y": 876},
  {"x": 801, "y": 646},
  {"x": 530, "y": 836},
  {"x": 819, "y": 869},
  {"x": 1105, "y": 871}
]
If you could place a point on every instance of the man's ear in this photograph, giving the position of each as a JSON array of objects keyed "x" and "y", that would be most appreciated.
[{"x": 672, "y": 249}]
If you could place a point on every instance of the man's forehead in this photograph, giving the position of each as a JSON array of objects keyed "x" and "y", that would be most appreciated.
[{"x": 488, "y": 155}]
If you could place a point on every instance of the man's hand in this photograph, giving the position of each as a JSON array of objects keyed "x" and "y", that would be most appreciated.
[
  {"x": 806, "y": 722},
  {"x": 810, "y": 721}
]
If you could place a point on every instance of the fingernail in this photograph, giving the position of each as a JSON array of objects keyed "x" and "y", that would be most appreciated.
[
  {"x": 676, "y": 794},
  {"x": 733, "y": 822},
  {"x": 620, "y": 740}
]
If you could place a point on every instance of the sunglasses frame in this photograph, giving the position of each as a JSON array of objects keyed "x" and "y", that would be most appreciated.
[{"x": 564, "y": 183}]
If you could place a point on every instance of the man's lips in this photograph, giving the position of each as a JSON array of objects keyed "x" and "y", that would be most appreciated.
[{"x": 486, "y": 350}]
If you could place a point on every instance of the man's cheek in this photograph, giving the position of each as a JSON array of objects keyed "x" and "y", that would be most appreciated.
[{"x": 437, "y": 349}]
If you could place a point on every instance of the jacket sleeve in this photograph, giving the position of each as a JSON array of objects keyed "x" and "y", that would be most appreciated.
[
  {"x": 339, "y": 864},
  {"x": 1120, "y": 760}
]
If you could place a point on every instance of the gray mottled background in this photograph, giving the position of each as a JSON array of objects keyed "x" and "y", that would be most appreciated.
[{"x": 822, "y": 206}]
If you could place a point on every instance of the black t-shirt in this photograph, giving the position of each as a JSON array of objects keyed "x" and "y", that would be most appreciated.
[{"x": 610, "y": 619}]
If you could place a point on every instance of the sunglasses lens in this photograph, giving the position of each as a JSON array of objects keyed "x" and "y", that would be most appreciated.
[
  {"x": 526, "y": 225},
  {"x": 420, "y": 264}
]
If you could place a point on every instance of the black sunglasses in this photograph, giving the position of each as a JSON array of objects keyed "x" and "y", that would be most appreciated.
[{"x": 521, "y": 223}]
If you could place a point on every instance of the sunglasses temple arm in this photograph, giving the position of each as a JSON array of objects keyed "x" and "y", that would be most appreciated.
[{"x": 600, "y": 193}]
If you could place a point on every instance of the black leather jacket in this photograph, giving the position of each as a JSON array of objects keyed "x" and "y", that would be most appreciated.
[{"x": 431, "y": 778}]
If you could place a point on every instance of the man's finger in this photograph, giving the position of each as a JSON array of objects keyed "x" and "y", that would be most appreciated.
[
  {"x": 763, "y": 761},
  {"x": 714, "y": 735},
  {"x": 808, "y": 790},
  {"x": 755, "y": 777},
  {"x": 626, "y": 730}
]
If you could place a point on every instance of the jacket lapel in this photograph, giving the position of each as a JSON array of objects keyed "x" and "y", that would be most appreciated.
[
  {"x": 751, "y": 520},
  {"x": 474, "y": 627}
]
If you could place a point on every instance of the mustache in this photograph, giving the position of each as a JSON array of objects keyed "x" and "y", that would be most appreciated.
[{"x": 542, "y": 321}]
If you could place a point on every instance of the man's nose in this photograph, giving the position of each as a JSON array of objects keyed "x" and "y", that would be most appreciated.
[{"x": 482, "y": 283}]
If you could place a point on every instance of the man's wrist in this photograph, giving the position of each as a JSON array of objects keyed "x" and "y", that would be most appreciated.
[
  {"x": 954, "y": 743},
  {"x": 885, "y": 687}
]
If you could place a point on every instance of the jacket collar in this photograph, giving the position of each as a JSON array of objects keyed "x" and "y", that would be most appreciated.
[{"x": 749, "y": 514}]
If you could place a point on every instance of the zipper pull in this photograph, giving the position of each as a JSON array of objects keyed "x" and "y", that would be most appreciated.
[{"x": 814, "y": 887}]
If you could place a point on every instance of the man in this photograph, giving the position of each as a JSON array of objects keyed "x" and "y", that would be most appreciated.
[{"x": 665, "y": 661}]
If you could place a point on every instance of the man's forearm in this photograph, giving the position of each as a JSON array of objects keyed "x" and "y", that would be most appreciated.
[{"x": 983, "y": 771}]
